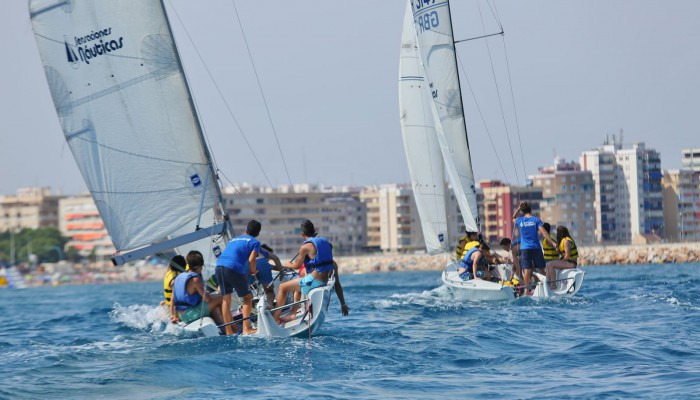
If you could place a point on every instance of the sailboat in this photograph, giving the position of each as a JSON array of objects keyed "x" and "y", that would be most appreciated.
[
  {"x": 125, "y": 108},
  {"x": 435, "y": 135}
]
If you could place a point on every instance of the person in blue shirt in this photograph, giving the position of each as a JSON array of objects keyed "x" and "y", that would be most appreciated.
[
  {"x": 473, "y": 265},
  {"x": 232, "y": 267},
  {"x": 264, "y": 275},
  {"x": 530, "y": 247}
]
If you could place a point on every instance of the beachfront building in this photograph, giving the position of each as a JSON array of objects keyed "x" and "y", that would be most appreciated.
[
  {"x": 80, "y": 222},
  {"x": 691, "y": 159},
  {"x": 567, "y": 199},
  {"x": 337, "y": 213},
  {"x": 628, "y": 193},
  {"x": 393, "y": 222},
  {"x": 30, "y": 208},
  {"x": 681, "y": 189},
  {"x": 392, "y": 218},
  {"x": 497, "y": 201}
]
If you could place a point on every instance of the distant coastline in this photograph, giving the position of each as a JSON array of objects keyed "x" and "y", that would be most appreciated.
[
  {"x": 76, "y": 274},
  {"x": 590, "y": 255}
]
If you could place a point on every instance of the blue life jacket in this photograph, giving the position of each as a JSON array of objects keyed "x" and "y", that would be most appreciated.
[
  {"x": 182, "y": 299},
  {"x": 323, "y": 262},
  {"x": 467, "y": 261}
]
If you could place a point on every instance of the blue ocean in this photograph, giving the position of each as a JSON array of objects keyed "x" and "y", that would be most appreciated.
[{"x": 631, "y": 332}]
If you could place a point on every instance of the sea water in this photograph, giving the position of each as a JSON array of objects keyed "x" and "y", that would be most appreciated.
[{"x": 630, "y": 332}]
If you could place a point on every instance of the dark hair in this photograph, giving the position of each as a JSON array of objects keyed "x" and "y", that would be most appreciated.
[
  {"x": 266, "y": 247},
  {"x": 484, "y": 246},
  {"x": 525, "y": 207},
  {"x": 253, "y": 228},
  {"x": 505, "y": 242},
  {"x": 177, "y": 263},
  {"x": 307, "y": 228},
  {"x": 547, "y": 227},
  {"x": 195, "y": 259},
  {"x": 562, "y": 233}
]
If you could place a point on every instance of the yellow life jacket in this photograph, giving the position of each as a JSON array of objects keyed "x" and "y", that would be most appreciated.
[
  {"x": 167, "y": 287},
  {"x": 550, "y": 252},
  {"x": 469, "y": 246},
  {"x": 460, "y": 250},
  {"x": 573, "y": 251}
]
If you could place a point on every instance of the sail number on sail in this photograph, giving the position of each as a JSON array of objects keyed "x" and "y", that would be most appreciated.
[{"x": 425, "y": 15}]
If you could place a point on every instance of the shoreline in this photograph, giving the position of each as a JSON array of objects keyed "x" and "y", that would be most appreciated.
[{"x": 64, "y": 273}]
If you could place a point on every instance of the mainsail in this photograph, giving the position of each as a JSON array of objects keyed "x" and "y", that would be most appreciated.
[
  {"x": 433, "y": 27},
  {"x": 126, "y": 112},
  {"x": 425, "y": 162}
]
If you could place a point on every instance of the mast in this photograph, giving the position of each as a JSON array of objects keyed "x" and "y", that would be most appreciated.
[{"x": 459, "y": 84}]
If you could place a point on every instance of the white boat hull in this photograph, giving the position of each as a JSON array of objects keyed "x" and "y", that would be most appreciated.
[
  {"x": 569, "y": 281},
  {"x": 307, "y": 320}
]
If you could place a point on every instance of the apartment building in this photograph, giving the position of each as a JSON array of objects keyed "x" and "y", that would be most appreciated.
[
  {"x": 681, "y": 190},
  {"x": 30, "y": 208},
  {"x": 691, "y": 159},
  {"x": 79, "y": 220},
  {"x": 337, "y": 213},
  {"x": 567, "y": 199},
  {"x": 497, "y": 201},
  {"x": 628, "y": 193}
]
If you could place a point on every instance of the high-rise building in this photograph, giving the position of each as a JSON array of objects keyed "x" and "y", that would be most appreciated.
[
  {"x": 628, "y": 193},
  {"x": 681, "y": 189},
  {"x": 337, "y": 214},
  {"x": 567, "y": 199},
  {"x": 30, "y": 208},
  {"x": 691, "y": 159}
]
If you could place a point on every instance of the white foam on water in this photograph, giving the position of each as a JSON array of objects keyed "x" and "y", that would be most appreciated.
[{"x": 153, "y": 319}]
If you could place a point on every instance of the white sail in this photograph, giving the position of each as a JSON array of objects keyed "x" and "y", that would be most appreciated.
[
  {"x": 125, "y": 109},
  {"x": 433, "y": 26},
  {"x": 420, "y": 140}
]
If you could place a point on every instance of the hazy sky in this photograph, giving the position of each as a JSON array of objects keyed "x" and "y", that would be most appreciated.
[{"x": 329, "y": 71}]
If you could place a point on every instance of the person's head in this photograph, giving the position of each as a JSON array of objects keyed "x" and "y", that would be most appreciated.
[
  {"x": 307, "y": 228},
  {"x": 547, "y": 227},
  {"x": 562, "y": 232},
  {"x": 253, "y": 228},
  {"x": 525, "y": 207},
  {"x": 472, "y": 236},
  {"x": 505, "y": 244},
  {"x": 485, "y": 248},
  {"x": 195, "y": 260},
  {"x": 178, "y": 263}
]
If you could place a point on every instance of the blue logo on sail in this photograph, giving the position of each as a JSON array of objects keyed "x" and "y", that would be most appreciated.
[
  {"x": 70, "y": 53},
  {"x": 217, "y": 251},
  {"x": 441, "y": 238},
  {"x": 195, "y": 180}
]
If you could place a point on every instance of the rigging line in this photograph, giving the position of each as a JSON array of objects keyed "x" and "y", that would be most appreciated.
[
  {"x": 267, "y": 108},
  {"x": 498, "y": 92},
  {"x": 494, "y": 10},
  {"x": 483, "y": 120},
  {"x": 228, "y": 107},
  {"x": 515, "y": 111},
  {"x": 249, "y": 200}
]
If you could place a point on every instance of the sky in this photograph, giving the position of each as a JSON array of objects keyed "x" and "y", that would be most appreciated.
[{"x": 329, "y": 75}]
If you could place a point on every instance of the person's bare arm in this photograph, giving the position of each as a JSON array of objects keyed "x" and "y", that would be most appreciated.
[
  {"x": 276, "y": 261},
  {"x": 251, "y": 260},
  {"x": 303, "y": 252},
  {"x": 546, "y": 236}
]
